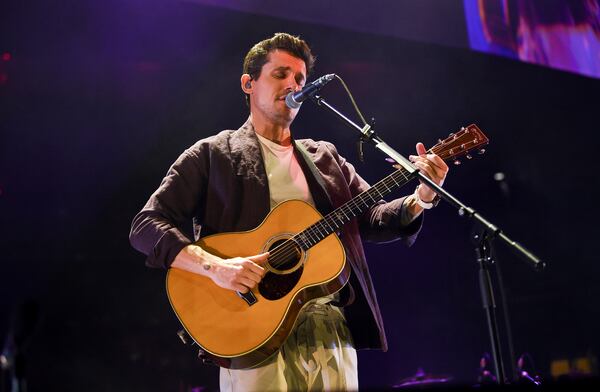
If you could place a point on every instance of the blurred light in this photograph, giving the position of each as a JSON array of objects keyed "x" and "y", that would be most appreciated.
[
  {"x": 6, "y": 56},
  {"x": 3, "y": 78},
  {"x": 559, "y": 367},
  {"x": 499, "y": 176}
]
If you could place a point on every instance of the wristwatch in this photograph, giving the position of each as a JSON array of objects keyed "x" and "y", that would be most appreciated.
[{"x": 424, "y": 204}]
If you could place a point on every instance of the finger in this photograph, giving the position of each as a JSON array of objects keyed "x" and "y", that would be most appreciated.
[
  {"x": 430, "y": 173},
  {"x": 435, "y": 169},
  {"x": 254, "y": 268},
  {"x": 246, "y": 282},
  {"x": 241, "y": 288},
  {"x": 260, "y": 259},
  {"x": 256, "y": 265},
  {"x": 421, "y": 149},
  {"x": 438, "y": 162},
  {"x": 253, "y": 276},
  {"x": 424, "y": 167}
]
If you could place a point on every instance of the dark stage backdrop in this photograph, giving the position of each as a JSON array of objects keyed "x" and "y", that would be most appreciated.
[{"x": 99, "y": 98}]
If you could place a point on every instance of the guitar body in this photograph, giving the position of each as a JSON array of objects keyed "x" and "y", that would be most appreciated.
[{"x": 234, "y": 333}]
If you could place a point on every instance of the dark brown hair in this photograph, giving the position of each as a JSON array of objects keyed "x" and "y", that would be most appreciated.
[{"x": 259, "y": 54}]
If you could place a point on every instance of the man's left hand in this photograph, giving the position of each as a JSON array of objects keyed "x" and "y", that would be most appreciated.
[{"x": 431, "y": 166}]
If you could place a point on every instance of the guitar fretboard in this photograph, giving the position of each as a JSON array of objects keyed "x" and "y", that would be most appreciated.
[{"x": 315, "y": 233}]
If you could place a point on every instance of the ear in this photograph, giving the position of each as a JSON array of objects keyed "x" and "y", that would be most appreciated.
[{"x": 246, "y": 82}]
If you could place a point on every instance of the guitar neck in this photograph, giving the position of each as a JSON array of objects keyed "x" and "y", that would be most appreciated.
[
  {"x": 351, "y": 209},
  {"x": 454, "y": 146}
]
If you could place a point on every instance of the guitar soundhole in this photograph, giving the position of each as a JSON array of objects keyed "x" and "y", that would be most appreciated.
[{"x": 273, "y": 285}]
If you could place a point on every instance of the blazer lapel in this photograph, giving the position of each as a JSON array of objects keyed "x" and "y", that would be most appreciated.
[
  {"x": 247, "y": 161},
  {"x": 314, "y": 179}
]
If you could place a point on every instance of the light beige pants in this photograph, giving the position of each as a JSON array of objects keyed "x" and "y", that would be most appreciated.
[{"x": 317, "y": 356}]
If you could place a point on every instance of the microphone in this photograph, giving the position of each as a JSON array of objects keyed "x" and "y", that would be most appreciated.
[{"x": 294, "y": 100}]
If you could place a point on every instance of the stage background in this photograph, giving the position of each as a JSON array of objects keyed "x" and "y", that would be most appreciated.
[{"x": 99, "y": 98}]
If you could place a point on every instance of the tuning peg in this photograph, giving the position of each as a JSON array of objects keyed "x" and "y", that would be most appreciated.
[
  {"x": 439, "y": 140},
  {"x": 481, "y": 151},
  {"x": 468, "y": 156},
  {"x": 462, "y": 128},
  {"x": 456, "y": 162}
]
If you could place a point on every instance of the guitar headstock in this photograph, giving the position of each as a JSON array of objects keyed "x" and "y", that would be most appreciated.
[{"x": 461, "y": 143}]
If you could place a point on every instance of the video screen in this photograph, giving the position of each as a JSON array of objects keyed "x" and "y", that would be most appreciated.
[{"x": 562, "y": 34}]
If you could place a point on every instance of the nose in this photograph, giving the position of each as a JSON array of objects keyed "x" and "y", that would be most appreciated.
[{"x": 292, "y": 84}]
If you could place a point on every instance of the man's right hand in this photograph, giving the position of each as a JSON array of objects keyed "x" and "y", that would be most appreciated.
[{"x": 239, "y": 273}]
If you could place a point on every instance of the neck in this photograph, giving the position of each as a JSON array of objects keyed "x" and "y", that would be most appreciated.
[{"x": 276, "y": 133}]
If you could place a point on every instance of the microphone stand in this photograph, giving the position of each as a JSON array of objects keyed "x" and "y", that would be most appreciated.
[{"x": 483, "y": 240}]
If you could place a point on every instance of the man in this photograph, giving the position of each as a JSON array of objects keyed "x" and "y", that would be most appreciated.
[{"x": 230, "y": 181}]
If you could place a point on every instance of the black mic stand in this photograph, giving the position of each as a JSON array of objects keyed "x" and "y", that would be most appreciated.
[
  {"x": 483, "y": 252},
  {"x": 483, "y": 243}
]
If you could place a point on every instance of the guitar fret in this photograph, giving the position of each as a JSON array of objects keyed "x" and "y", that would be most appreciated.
[
  {"x": 315, "y": 233},
  {"x": 319, "y": 229},
  {"x": 335, "y": 225},
  {"x": 310, "y": 236},
  {"x": 362, "y": 201},
  {"x": 342, "y": 210},
  {"x": 347, "y": 211},
  {"x": 298, "y": 238},
  {"x": 320, "y": 233}
]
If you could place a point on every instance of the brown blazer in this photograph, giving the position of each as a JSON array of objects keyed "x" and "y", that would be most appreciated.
[{"x": 221, "y": 184}]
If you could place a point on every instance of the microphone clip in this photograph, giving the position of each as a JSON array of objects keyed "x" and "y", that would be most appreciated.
[{"x": 366, "y": 133}]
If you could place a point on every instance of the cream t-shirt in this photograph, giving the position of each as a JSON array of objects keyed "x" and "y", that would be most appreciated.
[{"x": 286, "y": 179}]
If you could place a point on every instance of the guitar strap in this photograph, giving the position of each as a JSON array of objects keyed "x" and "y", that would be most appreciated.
[
  {"x": 314, "y": 180},
  {"x": 324, "y": 206}
]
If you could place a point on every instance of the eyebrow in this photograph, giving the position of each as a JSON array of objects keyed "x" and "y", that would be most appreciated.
[{"x": 287, "y": 68}]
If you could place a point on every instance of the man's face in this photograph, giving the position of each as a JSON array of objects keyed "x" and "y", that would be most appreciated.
[{"x": 281, "y": 74}]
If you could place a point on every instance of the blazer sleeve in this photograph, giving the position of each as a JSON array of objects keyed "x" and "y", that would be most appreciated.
[
  {"x": 157, "y": 230},
  {"x": 382, "y": 222}
]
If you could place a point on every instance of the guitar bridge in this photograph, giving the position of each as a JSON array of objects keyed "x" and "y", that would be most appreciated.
[{"x": 249, "y": 297}]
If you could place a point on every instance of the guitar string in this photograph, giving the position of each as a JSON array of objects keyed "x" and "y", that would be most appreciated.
[
  {"x": 281, "y": 253},
  {"x": 347, "y": 211},
  {"x": 289, "y": 247},
  {"x": 315, "y": 233}
]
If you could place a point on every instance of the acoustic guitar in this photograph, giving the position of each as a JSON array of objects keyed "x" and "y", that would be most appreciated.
[{"x": 306, "y": 261}]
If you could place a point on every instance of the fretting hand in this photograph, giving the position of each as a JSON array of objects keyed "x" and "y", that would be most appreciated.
[{"x": 431, "y": 166}]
